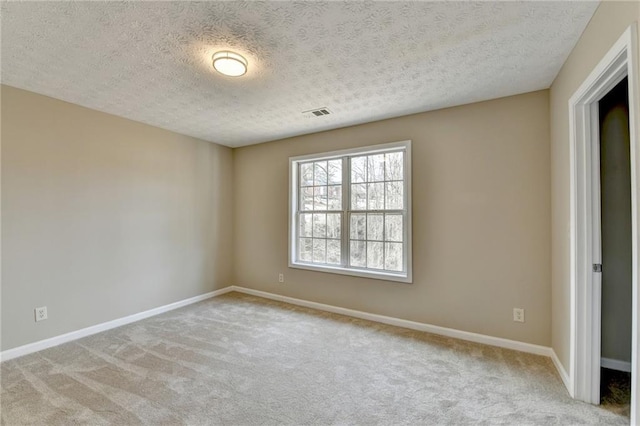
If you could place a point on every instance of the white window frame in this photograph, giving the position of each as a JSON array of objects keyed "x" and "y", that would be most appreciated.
[{"x": 407, "y": 275}]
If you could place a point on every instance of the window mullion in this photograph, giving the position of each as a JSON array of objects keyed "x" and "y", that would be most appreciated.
[
  {"x": 384, "y": 214},
  {"x": 405, "y": 236},
  {"x": 297, "y": 236},
  {"x": 384, "y": 239},
  {"x": 346, "y": 219},
  {"x": 296, "y": 231},
  {"x": 405, "y": 212}
]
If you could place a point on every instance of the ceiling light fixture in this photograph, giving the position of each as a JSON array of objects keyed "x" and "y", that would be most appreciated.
[{"x": 229, "y": 63}]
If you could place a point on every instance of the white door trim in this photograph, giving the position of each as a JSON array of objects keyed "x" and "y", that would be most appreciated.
[{"x": 584, "y": 370}]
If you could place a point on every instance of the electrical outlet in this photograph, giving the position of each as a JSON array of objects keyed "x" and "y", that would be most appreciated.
[
  {"x": 41, "y": 313},
  {"x": 518, "y": 314},
  {"x": 280, "y": 278}
]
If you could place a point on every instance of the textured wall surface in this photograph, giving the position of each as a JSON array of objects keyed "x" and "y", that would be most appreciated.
[
  {"x": 607, "y": 25},
  {"x": 151, "y": 61},
  {"x": 104, "y": 217},
  {"x": 481, "y": 206}
]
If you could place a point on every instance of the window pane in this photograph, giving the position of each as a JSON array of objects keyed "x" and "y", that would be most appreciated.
[
  {"x": 306, "y": 225},
  {"x": 306, "y": 198},
  {"x": 394, "y": 196},
  {"x": 306, "y": 174},
  {"x": 320, "y": 173},
  {"x": 358, "y": 227},
  {"x": 375, "y": 227},
  {"x": 376, "y": 168},
  {"x": 375, "y": 256},
  {"x": 333, "y": 252},
  {"x": 335, "y": 197},
  {"x": 359, "y": 196},
  {"x": 320, "y": 225},
  {"x": 374, "y": 210},
  {"x": 358, "y": 169},
  {"x": 319, "y": 250},
  {"x": 376, "y": 196},
  {"x": 333, "y": 225},
  {"x": 393, "y": 257},
  {"x": 306, "y": 249},
  {"x": 335, "y": 171},
  {"x": 358, "y": 253},
  {"x": 394, "y": 166},
  {"x": 393, "y": 227},
  {"x": 320, "y": 198}
]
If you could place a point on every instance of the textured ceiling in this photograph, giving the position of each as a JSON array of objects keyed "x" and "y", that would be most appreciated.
[{"x": 151, "y": 61}]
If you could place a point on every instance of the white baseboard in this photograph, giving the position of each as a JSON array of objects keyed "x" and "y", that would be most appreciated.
[
  {"x": 442, "y": 331},
  {"x": 561, "y": 371},
  {"x": 78, "y": 334},
  {"x": 615, "y": 364}
]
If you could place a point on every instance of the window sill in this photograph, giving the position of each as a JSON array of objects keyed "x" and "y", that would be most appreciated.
[{"x": 386, "y": 276}]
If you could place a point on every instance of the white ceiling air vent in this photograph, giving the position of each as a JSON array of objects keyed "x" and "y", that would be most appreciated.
[{"x": 318, "y": 112}]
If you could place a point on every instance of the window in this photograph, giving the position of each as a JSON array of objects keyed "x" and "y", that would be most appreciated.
[{"x": 350, "y": 212}]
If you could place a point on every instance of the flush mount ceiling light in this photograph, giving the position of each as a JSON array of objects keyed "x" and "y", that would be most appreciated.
[{"x": 229, "y": 63}]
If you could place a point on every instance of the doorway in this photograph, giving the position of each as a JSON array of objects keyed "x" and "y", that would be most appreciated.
[
  {"x": 616, "y": 252},
  {"x": 585, "y": 351}
]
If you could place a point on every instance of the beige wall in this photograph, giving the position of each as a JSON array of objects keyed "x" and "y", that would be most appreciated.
[
  {"x": 103, "y": 217},
  {"x": 481, "y": 219},
  {"x": 606, "y": 26}
]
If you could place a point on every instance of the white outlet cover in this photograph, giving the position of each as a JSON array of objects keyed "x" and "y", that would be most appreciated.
[
  {"x": 41, "y": 313},
  {"x": 518, "y": 314}
]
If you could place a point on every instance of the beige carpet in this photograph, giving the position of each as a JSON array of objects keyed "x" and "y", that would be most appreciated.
[{"x": 240, "y": 360}]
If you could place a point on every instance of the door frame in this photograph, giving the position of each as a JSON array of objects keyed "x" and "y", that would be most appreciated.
[{"x": 584, "y": 371}]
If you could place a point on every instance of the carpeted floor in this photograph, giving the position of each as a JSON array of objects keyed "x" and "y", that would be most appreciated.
[
  {"x": 241, "y": 360},
  {"x": 615, "y": 391}
]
